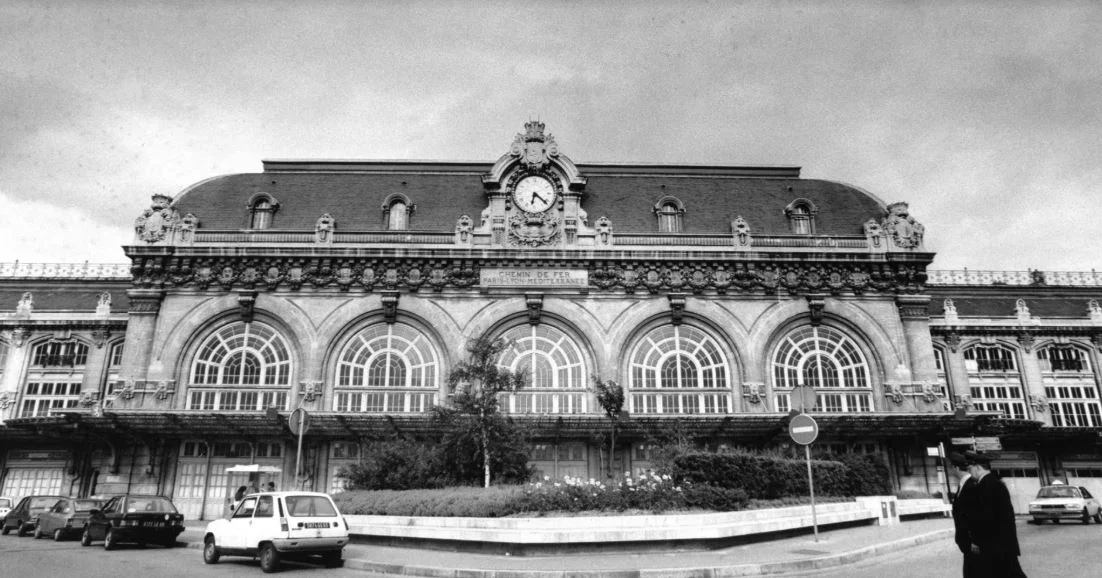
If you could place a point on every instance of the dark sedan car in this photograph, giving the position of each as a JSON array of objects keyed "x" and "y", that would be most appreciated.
[
  {"x": 24, "y": 516},
  {"x": 66, "y": 519},
  {"x": 134, "y": 519}
]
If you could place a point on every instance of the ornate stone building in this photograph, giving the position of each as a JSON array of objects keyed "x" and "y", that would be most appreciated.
[{"x": 712, "y": 294}]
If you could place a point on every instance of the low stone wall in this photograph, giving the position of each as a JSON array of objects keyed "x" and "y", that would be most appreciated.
[{"x": 550, "y": 533}]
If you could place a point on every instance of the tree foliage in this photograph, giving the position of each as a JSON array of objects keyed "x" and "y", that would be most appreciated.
[{"x": 610, "y": 396}]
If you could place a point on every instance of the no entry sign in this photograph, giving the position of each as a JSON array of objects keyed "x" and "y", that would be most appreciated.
[{"x": 803, "y": 429}]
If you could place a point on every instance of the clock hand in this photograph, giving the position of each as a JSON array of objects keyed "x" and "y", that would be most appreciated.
[{"x": 536, "y": 195}]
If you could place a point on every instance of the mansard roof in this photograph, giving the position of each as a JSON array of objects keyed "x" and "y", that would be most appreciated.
[
  {"x": 354, "y": 192},
  {"x": 72, "y": 295}
]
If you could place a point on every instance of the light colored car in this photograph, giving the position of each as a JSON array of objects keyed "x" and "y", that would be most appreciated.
[
  {"x": 5, "y": 505},
  {"x": 66, "y": 518},
  {"x": 274, "y": 526},
  {"x": 1063, "y": 502}
]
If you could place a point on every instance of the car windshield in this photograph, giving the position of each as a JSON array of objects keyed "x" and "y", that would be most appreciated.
[
  {"x": 149, "y": 504},
  {"x": 43, "y": 503},
  {"x": 85, "y": 505},
  {"x": 310, "y": 507},
  {"x": 1058, "y": 492}
]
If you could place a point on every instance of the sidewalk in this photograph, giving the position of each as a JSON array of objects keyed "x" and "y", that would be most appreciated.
[{"x": 787, "y": 555}]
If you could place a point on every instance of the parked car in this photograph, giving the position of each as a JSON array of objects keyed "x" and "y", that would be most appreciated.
[
  {"x": 5, "y": 505},
  {"x": 1060, "y": 502},
  {"x": 66, "y": 518},
  {"x": 24, "y": 516},
  {"x": 303, "y": 526},
  {"x": 135, "y": 519}
]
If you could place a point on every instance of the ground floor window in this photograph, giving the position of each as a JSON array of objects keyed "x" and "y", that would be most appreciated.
[
  {"x": 21, "y": 482},
  {"x": 236, "y": 399},
  {"x": 42, "y": 397}
]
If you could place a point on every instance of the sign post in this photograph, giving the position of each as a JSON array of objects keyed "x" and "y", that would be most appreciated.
[
  {"x": 298, "y": 422},
  {"x": 804, "y": 430}
]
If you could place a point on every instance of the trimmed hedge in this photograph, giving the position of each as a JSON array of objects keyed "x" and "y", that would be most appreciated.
[
  {"x": 771, "y": 477},
  {"x": 492, "y": 502}
]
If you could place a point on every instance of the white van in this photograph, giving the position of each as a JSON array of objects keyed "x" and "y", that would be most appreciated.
[{"x": 279, "y": 525}]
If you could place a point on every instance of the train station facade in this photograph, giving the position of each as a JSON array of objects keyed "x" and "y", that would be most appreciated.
[{"x": 712, "y": 294}]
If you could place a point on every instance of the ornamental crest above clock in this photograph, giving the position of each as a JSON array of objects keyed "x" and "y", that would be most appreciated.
[{"x": 533, "y": 146}]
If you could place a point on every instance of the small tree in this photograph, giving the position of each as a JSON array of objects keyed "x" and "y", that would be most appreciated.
[
  {"x": 610, "y": 396},
  {"x": 477, "y": 382}
]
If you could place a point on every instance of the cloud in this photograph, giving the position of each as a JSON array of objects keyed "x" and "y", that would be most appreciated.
[{"x": 39, "y": 231}]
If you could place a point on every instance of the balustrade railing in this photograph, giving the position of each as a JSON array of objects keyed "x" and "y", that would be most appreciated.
[
  {"x": 1035, "y": 277},
  {"x": 84, "y": 270}
]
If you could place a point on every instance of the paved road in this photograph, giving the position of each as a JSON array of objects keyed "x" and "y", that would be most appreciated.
[
  {"x": 1063, "y": 550},
  {"x": 46, "y": 558}
]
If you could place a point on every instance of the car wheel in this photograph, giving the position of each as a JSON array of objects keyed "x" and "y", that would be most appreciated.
[
  {"x": 4, "y": 531},
  {"x": 1098, "y": 517},
  {"x": 109, "y": 541},
  {"x": 1086, "y": 517},
  {"x": 210, "y": 551},
  {"x": 38, "y": 531},
  {"x": 22, "y": 530},
  {"x": 58, "y": 535},
  {"x": 269, "y": 559},
  {"x": 332, "y": 560},
  {"x": 86, "y": 537}
]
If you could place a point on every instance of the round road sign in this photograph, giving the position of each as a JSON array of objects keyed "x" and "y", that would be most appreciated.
[
  {"x": 298, "y": 421},
  {"x": 803, "y": 429}
]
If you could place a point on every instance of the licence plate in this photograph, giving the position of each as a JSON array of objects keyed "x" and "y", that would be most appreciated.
[
  {"x": 153, "y": 524},
  {"x": 316, "y": 525}
]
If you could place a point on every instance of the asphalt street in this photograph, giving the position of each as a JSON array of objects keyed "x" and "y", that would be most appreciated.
[{"x": 1065, "y": 550}]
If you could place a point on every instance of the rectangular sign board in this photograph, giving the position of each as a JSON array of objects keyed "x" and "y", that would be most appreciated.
[
  {"x": 543, "y": 278},
  {"x": 981, "y": 444}
]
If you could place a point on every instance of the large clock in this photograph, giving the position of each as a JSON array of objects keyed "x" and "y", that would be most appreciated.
[{"x": 534, "y": 194}]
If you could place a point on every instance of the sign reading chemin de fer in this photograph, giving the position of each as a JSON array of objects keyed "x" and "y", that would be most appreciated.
[{"x": 516, "y": 277}]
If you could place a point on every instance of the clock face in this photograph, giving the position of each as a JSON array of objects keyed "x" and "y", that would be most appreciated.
[{"x": 534, "y": 194}]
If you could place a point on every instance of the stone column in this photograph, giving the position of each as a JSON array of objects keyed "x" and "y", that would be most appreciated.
[
  {"x": 915, "y": 315},
  {"x": 955, "y": 370},
  {"x": 145, "y": 305}
]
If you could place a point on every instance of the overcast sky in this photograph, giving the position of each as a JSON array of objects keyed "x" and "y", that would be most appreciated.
[{"x": 985, "y": 116}]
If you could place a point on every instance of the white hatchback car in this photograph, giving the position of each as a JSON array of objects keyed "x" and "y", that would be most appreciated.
[
  {"x": 1063, "y": 502},
  {"x": 280, "y": 525}
]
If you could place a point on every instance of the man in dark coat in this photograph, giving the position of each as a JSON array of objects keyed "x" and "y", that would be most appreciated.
[
  {"x": 989, "y": 518},
  {"x": 961, "y": 505}
]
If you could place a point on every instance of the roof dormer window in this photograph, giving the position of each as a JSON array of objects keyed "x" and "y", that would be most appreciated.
[
  {"x": 801, "y": 217},
  {"x": 397, "y": 210},
  {"x": 670, "y": 212},
  {"x": 261, "y": 208}
]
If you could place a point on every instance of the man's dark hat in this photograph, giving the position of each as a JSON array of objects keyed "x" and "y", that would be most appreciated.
[
  {"x": 958, "y": 459},
  {"x": 977, "y": 458}
]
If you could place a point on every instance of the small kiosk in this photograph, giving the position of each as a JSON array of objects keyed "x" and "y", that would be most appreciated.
[{"x": 245, "y": 479}]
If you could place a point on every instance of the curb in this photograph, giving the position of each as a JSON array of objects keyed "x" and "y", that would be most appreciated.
[{"x": 821, "y": 562}]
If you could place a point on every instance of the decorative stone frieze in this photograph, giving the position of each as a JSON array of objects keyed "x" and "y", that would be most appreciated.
[
  {"x": 894, "y": 392},
  {"x": 310, "y": 391},
  {"x": 145, "y": 302},
  {"x": 930, "y": 393},
  {"x": 654, "y": 276},
  {"x": 1039, "y": 403}
]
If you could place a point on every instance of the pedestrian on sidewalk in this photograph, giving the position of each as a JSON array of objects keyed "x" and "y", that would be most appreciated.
[
  {"x": 960, "y": 505},
  {"x": 987, "y": 516}
]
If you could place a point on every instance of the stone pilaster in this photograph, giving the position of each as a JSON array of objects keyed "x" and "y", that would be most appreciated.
[
  {"x": 914, "y": 313},
  {"x": 1033, "y": 386},
  {"x": 141, "y": 327}
]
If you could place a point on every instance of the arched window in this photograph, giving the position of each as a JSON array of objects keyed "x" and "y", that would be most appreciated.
[
  {"x": 54, "y": 378},
  {"x": 261, "y": 208},
  {"x": 242, "y": 366},
  {"x": 553, "y": 363},
  {"x": 801, "y": 217},
  {"x": 670, "y": 211},
  {"x": 942, "y": 379},
  {"x": 825, "y": 359},
  {"x": 678, "y": 369},
  {"x": 1070, "y": 386},
  {"x": 387, "y": 368},
  {"x": 397, "y": 210},
  {"x": 994, "y": 381}
]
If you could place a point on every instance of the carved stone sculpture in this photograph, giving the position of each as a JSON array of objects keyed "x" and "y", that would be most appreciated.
[
  {"x": 533, "y": 146},
  {"x": 157, "y": 221},
  {"x": 902, "y": 228},
  {"x": 604, "y": 231},
  {"x": 25, "y": 306},
  {"x": 323, "y": 230},
  {"x": 741, "y": 230},
  {"x": 185, "y": 231},
  {"x": 463, "y": 228},
  {"x": 950, "y": 310}
]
